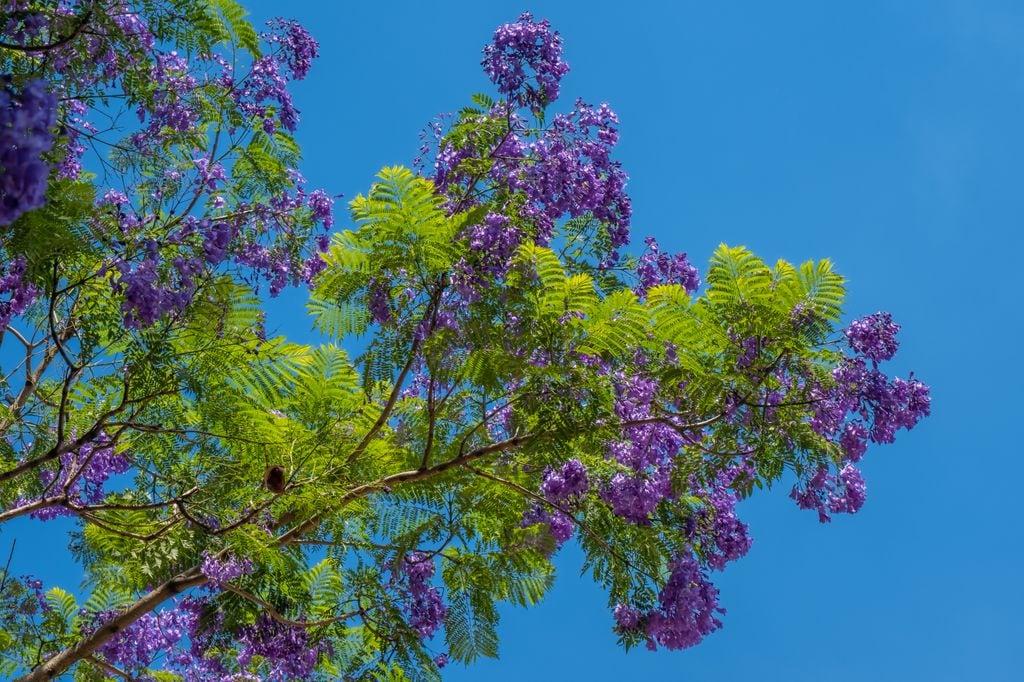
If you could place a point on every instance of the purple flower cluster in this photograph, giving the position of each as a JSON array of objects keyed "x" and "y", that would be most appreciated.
[
  {"x": 222, "y": 570},
  {"x": 644, "y": 445},
  {"x": 859, "y": 405},
  {"x": 21, "y": 25},
  {"x": 635, "y": 496},
  {"x": 171, "y": 107},
  {"x": 560, "y": 525},
  {"x": 265, "y": 87},
  {"x": 423, "y": 603},
  {"x": 36, "y": 586},
  {"x": 27, "y": 119},
  {"x": 569, "y": 170},
  {"x": 492, "y": 245},
  {"x": 686, "y": 609},
  {"x": 655, "y": 268},
  {"x": 866, "y": 398},
  {"x": 137, "y": 645},
  {"x": 541, "y": 176},
  {"x": 874, "y": 336},
  {"x": 181, "y": 637},
  {"x": 526, "y": 45},
  {"x": 164, "y": 279},
  {"x": 824, "y": 492},
  {"x": 722, "y": 536},
  {"x": 287, "y": 651},
  {"x": 81, "y": 475},
  {"x": 568, "y": 481},
  {"x": 377, "y": 301},
  {"x": 647, "y": 449},
  {"x": 20, "y": 292},
  {"x": 298, "y": 49},
  {"x": 751, "y": 347}
]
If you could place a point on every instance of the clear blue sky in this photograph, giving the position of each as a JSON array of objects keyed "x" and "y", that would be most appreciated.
[{"x": 888, "y": 136}]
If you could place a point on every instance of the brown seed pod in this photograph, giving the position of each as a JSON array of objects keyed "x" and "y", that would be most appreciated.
[{"x": 274, "y": 479}]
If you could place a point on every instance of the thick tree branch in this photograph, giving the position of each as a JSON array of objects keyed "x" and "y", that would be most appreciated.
[
  {"x": 55, "y": 666},
  {"x": 60, "y": 42},
  {"x": 193, "y": 577}
]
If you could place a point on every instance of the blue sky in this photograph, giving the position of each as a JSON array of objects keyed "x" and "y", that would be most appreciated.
[{"x": 888, "y": 136}]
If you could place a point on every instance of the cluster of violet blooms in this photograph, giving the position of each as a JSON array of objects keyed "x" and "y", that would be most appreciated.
[
  {"x": 181, "y": 638},
  {"x": 688, "y": 601},
  {"x": 424, "y": 607},
  {"x": 78, "y": 480},
  {"x": 160, "y": 265},
  {"x": 27, "y": 119},
  {"x": 562, "y": 487},
  {"x": 16, "y": 291},
  {"x": 26, "y": 134},
  {"x": 184, "y": 637},
  {"x": 564, "y": 169},
  {"x": 862, "y": 404},
  {"x": 255, "y": 236}
]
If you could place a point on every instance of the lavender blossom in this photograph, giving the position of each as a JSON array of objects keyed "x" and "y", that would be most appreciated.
[
  {"x": 26, "y": 122},
  {"x": 874, "y": 336},
  {"x": 521, "y": 46},
  {"x": 655, "y": 268},
  {"x": 21, "y": 292},
  {"x": 221, "y": 570},
  {"x": 567, "y": 481},
  {"x": 686, "y": 610}
]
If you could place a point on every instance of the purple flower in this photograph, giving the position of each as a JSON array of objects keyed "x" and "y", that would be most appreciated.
[
  {"x": 568, "y": 171},
  {"x": 287, "y": 650},
  {"x": 83, "y": 474},
  {"x": 559, "y": 525},
  {"x": 321, "y": 206},
  {"x": 726, "y": 538},
  {"x": 298, "y": 49},
  {"x": 635, "y": 497},
  {"x": 851, "y": 491},
  {"x": 824, "y": 492},
  {"x": 378, "y": 302},
  {"x": 21, "y": 293},
  {"x": 569, "y": 480},
  {"x": 26, "y": 122},
  {"x": 225, "y": 569},
  {"x": 422, "y": 601},
  {"x": 627, "y": 617},
  {"x": 526, "y": 45},
  {"x": 138, "y": 645},
  {"x": 655, "y": 268},
  {"x": 874, "y": 336},
  {"x": 863, "y": 404},
  {"x": 419, "y": 567},
  {"x": 686, "y": 610}
]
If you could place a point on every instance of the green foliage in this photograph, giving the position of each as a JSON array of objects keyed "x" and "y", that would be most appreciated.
[{"x": 227, "y": 21}]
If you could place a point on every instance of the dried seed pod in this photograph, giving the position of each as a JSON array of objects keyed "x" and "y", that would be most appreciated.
[{"x": 274, "y": 479}]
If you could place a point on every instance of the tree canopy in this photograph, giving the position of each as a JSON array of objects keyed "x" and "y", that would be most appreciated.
[{"x": 497, "y": 376}]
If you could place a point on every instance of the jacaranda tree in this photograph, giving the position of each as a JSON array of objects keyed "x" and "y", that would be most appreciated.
[{"x": 247, "y": 508}]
